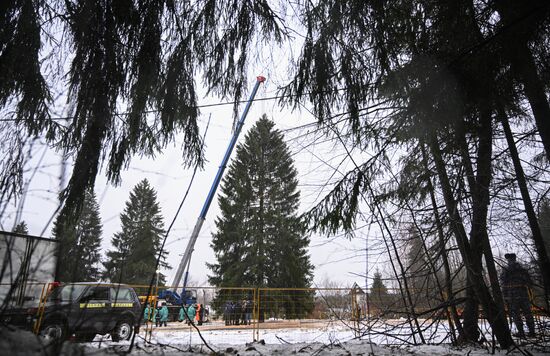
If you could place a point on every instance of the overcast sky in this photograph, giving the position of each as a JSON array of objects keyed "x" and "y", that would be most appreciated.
[{"x": 318, "y": 161}]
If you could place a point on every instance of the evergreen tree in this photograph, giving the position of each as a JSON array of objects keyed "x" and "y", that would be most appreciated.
[
  {"x": 378, "y": 294},
  {"x": 82, "y": 244},
  {"x": 416, "y": 262},
  {"x": 21, "y": 228},
  {"x": 421, "y": 279},
  {"x": 378, "y": 288},
  {"x": 135, "y": 248},
  {"x": 141, "y": 55},
  {"x": 260, "y": 241}
]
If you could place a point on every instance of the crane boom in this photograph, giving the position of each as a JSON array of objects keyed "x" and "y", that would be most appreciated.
[{"x": 186, "y": 258}]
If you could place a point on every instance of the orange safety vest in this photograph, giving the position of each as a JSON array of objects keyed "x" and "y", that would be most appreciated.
[{"x": 197, "y": 315}]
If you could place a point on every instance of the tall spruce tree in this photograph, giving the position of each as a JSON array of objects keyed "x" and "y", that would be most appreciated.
[
  {"x": 136, "y": 246},
  {"x": 379, "y": 298},
  {"x": 21, "y": 228},
  {"x": 421, "y": 279},
  {"x": 260, "y": 241},
  {"x": 83, "y": 244}
]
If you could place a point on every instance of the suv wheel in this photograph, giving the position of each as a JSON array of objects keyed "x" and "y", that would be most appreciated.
[
  {"x": 123, "y": 331},
  {"x": 53, "y": 332}
]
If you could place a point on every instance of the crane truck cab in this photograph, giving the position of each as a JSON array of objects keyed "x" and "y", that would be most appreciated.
[{"x": 174, "y": 301}]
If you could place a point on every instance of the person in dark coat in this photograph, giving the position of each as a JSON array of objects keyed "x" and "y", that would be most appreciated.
[
  {"x": 237, "y": 311},
  {"x": 156, "y": 316},
  {"x": 200, "y": 314},
  {"x": 247, "y": 308},
  {"x": 227, "y": 312},
  {"x": 515, "y": 289}
]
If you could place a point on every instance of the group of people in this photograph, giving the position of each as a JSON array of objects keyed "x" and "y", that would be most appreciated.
[
  {"x": 157, "y": 315},
  {"x": 192, "y": 313},
  {"x": 237, "y": 313},
  {"x": 515, "y": 280}
]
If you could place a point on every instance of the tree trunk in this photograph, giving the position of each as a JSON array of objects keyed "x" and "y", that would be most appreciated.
[
  {"x": 479, "y": 190},
  {"x": 472, "y": 260},
  {"x": 524, "y": 66},
  {"x": 544, "y": 263},
  {"x": 525, "y": 16},
  {"x": 479, "y": 239},
  {"x": 474, "y": 189},
  {"x": 405, "y": 291},
  {"x": 444, "y": 296},
  {"x": 401, "y": 289},
  {"x": 443, "y": 250}
]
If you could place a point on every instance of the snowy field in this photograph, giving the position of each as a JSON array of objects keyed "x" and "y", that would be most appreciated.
[{"x": 333, "y": 339}]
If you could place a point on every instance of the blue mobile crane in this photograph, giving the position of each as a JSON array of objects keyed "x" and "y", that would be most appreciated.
[{"x": 186, "y": 297}]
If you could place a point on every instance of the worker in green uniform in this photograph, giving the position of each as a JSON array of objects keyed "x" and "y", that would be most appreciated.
[
  {"x": 191, "y": 311},
  {"x": 181, "y": 316},
  {"x": 154, "y": 317},
  {"x": 163, "y": 314},
  {"x": 150, "y": 313},
  {"x": 146, "y": 313}
]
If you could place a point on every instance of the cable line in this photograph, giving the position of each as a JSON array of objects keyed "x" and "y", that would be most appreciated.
[{"x": 223, "y": 103}]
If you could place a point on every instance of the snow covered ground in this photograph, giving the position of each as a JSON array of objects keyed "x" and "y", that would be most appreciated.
[
  {"x": 334, "y": 339},
  {"x": 356, "y": 347}
]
